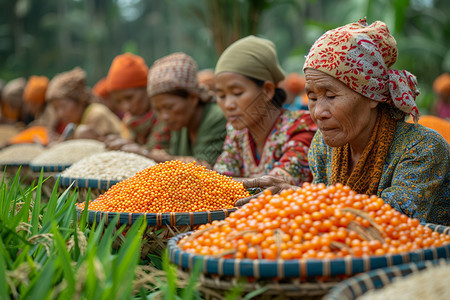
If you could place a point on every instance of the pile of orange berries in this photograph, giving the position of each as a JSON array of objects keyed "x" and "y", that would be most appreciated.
[
  {"x": 312, "y": 222},
  {"x": 173, "y": 186}
]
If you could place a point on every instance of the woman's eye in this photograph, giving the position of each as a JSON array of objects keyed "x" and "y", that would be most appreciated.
[
  {"x": 312, "y": 97},
  {"x": 237, "y": 94}
]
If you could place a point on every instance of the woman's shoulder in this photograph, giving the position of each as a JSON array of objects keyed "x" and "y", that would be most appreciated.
[
  {"x": 408, "y": 135},
  {"x": 213, "y": 115}
]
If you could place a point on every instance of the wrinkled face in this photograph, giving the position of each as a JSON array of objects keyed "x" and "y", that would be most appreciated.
[
  {"x": 132, "y": 101},
  {"x": 243, "y": 102},
  {"x": 68, "y": 110},
  {"x": 342, "y": 115},
  {"x": 175, "y": 111}
]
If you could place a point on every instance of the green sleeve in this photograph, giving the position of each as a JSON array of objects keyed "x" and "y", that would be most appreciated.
[{"x": 211, "y": 135}]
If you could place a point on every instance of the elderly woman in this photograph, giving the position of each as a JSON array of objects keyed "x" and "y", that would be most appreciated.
[
  {"x": 127, "y": 84},
  {"x": 262, "y": 138},
  {"x": 72, "y": 100},
  {"x": 359, "y": 104},
  {"x": 196, "y": 122}
]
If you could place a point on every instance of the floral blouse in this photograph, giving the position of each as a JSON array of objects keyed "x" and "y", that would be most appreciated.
[
  {"x": 416, "y": 174},
  {"x": 284, "y": 153}
]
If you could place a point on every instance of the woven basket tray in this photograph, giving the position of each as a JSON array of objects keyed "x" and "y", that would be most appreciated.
[
  {"x": 49, "y": 168},
  {"x": 160, "y": 227},
  {"x": 87, "y": 186},
  {"x": 358, "y": 285},
  {"x": 311, "y": 271}
]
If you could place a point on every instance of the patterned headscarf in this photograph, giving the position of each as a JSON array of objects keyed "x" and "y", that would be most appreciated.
[
  {"x": 172, "y": 72},
  {"x": 361, "y": 56},
  {"x": 70, "y": 84},
  {"x": 177, "y": 71}
]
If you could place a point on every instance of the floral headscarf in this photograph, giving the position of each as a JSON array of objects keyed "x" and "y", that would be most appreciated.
[{"x": 361, "y": 56}]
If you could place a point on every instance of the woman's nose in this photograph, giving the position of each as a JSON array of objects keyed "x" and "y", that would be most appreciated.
[
  {"x": 229, "y": 103},
  {"x": 322, "y": 110}
]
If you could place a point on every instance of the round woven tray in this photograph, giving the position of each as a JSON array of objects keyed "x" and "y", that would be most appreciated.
[
  {"x": 358, "y": 285},
  {"x": 160, "y": 227},
  {"x": 102, "y": 184},
  {"x": 313, "y": 271},
  {"x": 49, "y": 168},
  {"x": 87, "y": 186}
]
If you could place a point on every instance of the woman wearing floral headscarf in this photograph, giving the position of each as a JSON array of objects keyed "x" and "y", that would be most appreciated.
[{"x": 359, "y": 104}]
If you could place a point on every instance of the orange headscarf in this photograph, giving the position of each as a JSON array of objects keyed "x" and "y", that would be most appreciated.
[
  {"x": 441, "y": 85},
  {"x": 35, "y": 134},
  {"x": 127, "y": 71},
  {"x": 35, "y": 90},
  {"x": 100, "y": 89},
  {"x": 294, "y": 83}
]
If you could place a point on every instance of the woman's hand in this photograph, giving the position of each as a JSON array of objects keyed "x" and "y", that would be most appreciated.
[
  {"x": 272, "y": 183},
  {"x": 116, "y": 143}
]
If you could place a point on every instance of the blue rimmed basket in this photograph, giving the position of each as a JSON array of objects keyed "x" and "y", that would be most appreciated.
[
  {"x": 310, "y": 278},
  {"x": 160, "y": 226},
  {"x": 359, "y": 285},
  {"x": 49, "y": 168},
  {"x": 84, "y": 185}
]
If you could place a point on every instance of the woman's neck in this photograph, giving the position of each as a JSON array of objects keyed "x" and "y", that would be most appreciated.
[
  {"x": 358, "y": 145},
  {"x": 261, "y": 130},
  {"x": 194, "y": 123}
]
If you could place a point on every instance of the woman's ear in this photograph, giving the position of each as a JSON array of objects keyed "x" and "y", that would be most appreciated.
[
  {"x": 373, "y": 103},
  {"x": 268, "y": 89}
]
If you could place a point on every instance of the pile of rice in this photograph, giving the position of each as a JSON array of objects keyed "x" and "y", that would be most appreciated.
[
  {"x": 20, "y": 154},
  {"x": 69, "y": 152},
  {"x": 111, "y": 165}
]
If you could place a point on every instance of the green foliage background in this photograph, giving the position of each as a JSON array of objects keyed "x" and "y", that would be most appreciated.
[{"x": 45, "y": 37}]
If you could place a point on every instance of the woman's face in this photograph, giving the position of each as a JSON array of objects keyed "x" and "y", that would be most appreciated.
[
  {"x": 342, "y": 115},
  {"x": 244, "y": 104},
  {"x": 132, "y": 101},
  {"x": 68, "y": 110},
  {"x": 175, "y": 111}
]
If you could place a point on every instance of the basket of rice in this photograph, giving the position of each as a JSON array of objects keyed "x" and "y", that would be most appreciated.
[
  {"x": 302, "y": 243},
  {"x": 63, "y": 155},
  {"x": 175, "y": 197},
  {"x": 7, "y": 132},
  {"x": 412, "y": 281},
  {"x": 19, "y": 156},
  {"x": 101, "y": 171}
]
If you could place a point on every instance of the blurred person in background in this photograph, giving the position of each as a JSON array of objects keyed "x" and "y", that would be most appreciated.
[
  {"x": 100, "y": 90},
  {"x": 43, "y": 128},
  {"x": 294, "y": 86},
  {"x": 262, "y": 138},
  {"x": 206, "y": 78},
  {"x": 34, "y": 97},
  {"x": 441, "y": 88},
  {"x": 12, "y": 102},
  {"x": 127, "y": 84},
  {"x": 73, "y": 102},
  {"x": 196, "y": 122}
]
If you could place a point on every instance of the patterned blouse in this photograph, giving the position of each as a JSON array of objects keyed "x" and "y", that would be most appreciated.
[
  {"x": 156, "y": 133},
  {"x": 416, "y": 174},
  {"x": 284, "y": 153}
]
